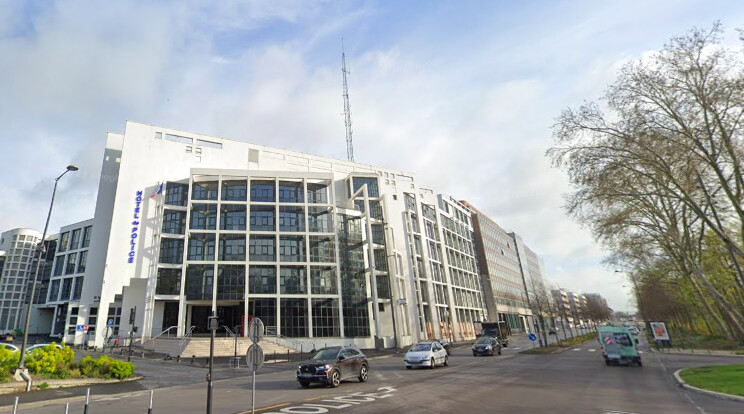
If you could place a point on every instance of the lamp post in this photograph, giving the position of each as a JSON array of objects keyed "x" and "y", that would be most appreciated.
[{"x": 30, "y": 295}]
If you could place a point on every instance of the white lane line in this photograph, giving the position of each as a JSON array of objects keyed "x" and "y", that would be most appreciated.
[
  {"x": 516, "y": 347},
  {"x": 592, "y": 350},
  {"x": 640, "y": 352},
  {"x": 577, "y": 349}
]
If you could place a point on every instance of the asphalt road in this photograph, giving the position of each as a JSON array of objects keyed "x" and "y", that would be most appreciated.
[{"x": 574, "y": 381}]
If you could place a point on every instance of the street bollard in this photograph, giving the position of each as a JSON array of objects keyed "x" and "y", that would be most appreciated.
[
  {"x": 15, "y": 406},
  {"x": 149, "y": 407},
  {"x": 193, "y": 359},
  {"x": 178, "y": 358},
  {"x": 275, "y": 355},
  {"x": 87, "y": 401}
]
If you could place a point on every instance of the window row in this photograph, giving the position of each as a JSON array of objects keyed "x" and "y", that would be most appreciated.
[
  {"x": 259, "y": 190},
  {"x": 71, "y": 263},
  {"x": 232, "y": 248},
  {"x": 71, "y": 240},
  {"x": 260, "y": 218},
  {"x": 62, "y": 289},
  {"x": 231, "y": 279}
]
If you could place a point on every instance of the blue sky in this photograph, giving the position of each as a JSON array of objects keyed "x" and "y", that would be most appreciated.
[{"x": 461, "y": 93}]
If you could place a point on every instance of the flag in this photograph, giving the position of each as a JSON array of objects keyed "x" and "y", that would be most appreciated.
[{"x": 160, "y": 191}]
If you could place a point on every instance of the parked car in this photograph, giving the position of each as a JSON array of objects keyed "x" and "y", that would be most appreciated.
[
  {"x": 446, "y": 345},
  {"x": 37, "y": 346},
  {"x": 8, "y": 346},
  {"x": 331, "y": 365},
  {"x": 486, "y": 346},
  {"x": 426, "y": 354}
]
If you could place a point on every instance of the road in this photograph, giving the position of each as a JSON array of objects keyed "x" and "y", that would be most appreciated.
[{"x": 573, "y": 381}]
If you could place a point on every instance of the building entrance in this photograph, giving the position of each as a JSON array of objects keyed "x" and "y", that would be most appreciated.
[{"x": 230, "y": 316}]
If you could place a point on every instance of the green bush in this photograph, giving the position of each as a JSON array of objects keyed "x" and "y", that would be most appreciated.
[
  {"x": 8, "y": 363},
  {"x": 105, "y": 367},
  {"x": 51, "y": 361}
]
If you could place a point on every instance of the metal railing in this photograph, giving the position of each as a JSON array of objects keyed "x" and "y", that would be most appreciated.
[
  {"x": 166, "y": 333},
  {"x": 185, "y": 339},
  {"x": 274, "y": 337}
]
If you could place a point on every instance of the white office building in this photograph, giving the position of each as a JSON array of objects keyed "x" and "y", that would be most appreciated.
[
  {"x": 324, "y": 251},
  {"x": 19, "y": 246}
]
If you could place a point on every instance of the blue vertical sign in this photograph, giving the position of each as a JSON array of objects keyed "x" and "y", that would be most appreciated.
[{"x": 135, "y": 226}]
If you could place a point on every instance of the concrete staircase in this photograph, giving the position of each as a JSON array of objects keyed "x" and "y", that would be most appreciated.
[{"x": 199, "y": 347}]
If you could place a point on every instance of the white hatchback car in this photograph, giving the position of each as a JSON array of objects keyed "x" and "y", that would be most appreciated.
[{"x": 426, "y": 354}]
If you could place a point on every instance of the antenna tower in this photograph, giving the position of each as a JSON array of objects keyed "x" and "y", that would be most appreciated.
[{"x": 347, "y": 107}]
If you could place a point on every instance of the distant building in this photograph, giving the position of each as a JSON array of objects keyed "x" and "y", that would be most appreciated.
[
  {"x": 20, "y": 246},
  {"x": 501, "y": 273}
]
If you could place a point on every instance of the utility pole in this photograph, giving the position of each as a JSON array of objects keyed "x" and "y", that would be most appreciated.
[{"x": 347, "y": 107}]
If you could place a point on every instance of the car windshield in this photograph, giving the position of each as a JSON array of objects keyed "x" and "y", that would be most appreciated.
[
  {"x": 623, "y": 339},
  {"x": 325, "y": 354},
  {"x": 483, "y": 341},
  {"x": 421, "y": 348}
]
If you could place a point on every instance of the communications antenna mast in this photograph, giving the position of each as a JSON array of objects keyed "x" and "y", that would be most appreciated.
[{"x": 347, "y": 107}]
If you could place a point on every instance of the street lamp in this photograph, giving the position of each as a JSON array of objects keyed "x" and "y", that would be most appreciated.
[{"x": 30, "y": 295}]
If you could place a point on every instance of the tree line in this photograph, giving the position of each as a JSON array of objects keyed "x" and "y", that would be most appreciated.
[{"x": 656, "y": 175}]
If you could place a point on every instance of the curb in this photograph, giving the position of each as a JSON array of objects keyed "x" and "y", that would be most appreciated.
[
  {"x": 43, "y": 403},
  {"x": 716, "y": 394},
  {"x": 701, "y": 353}
]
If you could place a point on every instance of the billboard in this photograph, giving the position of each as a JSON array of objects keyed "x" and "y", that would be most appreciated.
[{"x": 659, "y": 330}]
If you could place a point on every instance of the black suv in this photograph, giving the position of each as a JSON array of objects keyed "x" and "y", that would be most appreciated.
[{"x": 332, "y": 365}]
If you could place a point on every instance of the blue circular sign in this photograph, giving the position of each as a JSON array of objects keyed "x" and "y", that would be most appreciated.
[{"x": 532, "y": 337}]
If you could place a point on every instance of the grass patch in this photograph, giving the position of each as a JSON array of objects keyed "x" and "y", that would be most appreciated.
[{"x": 728, "y": 379}]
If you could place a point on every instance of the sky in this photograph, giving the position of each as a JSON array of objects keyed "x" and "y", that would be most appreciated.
[{"x": 463, "y": 94}]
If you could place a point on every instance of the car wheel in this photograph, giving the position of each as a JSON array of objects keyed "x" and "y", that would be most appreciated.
[
  {"x": 432, "y": 364},
  {"x": 408, "y": 367},
  {"x": 446, "y": 361},
  {"x": 499, "y": 351},
  {"x": 305, "y": 384},
  {"x": 640, "y": 364},
  {"x": 363, "y": 374},
  {"x": 335, "y": 379},
  {"x": 474, "y": 354},
  {"x": 492, "y": 352}
]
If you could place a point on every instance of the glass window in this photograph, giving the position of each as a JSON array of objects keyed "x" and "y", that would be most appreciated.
[
  {"x": 262, "y": 248},
  {"x": 292, "y": 279},
  {"x": 292, "y": 219},
  {"x": 199, "y": 282},
  {"x": 171, "y": 251},
  {"x": 174, "y": 221},
  {"x": 322, "y": 249},
  {"x": 75, "y": 239},
  {"x": 262, "y": 218},
  {"x": 205, "y": 190},
  {"x": 262, "y": 279},
  {"x": 317, "y": 193},
  {"x": 371, "y": 182},
  {"x": 63, "y": 240},
  {"x": 265, "y": 309},
  {"x": 54, "y": 291},
  {"x": 78, "y": 292},
  {"x": 201, "y": 246},
  {"x": 231, "y": 282},
  {"x": 325, "y": 318},
  {"x": 169, "y": 282},
  {"x": 203, "y": 217},
  {"x": 86, "y": 236},
  {"x": 234, "y": 190},
  {"x": 323, "y": 281},
  {"x": 320, "y": 219},
  {"x": 262, "y": 191},
  {"x": 176, "y": 194},
  {"x": 71, "y": 263},
  {"x": 232, "y": 247},
  {"x": 292, "y": 249},
  {"x": 59, "y": 265},
  {"x": 82, "y": 263},
  {"x": 66, "y": 289},
  {"x": 232, "y": 217},
  {"x": 290, "y": 192},
  {"x": 378, "y": 234},
  {"x": 294, "y": 317}
]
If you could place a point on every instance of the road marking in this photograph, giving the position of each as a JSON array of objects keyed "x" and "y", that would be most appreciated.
[
  {"x": 345, "y": 400},
  {"x": 577, "y": 349},
  {"x": 618, "y": 412},
  {"x": 592, "y": 350}
]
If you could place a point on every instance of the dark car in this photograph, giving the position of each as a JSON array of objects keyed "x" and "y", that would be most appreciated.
[
  {"x": 446, "y": 345},
  {"x": 332, "y": 365},
  {"x": 486, "y": 346}
]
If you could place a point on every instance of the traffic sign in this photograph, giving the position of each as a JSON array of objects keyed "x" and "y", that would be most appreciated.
[
  {"x": 80, "y": 328},
  {"x": 256, "y": 330},
  {"x": 110, "y": 322},
  {"x": 532, "y": 337},
  {"x": 254, "y": 357},
  {"x": 402, "y": 301}
]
